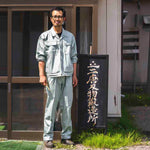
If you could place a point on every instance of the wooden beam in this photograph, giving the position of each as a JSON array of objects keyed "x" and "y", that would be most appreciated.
[
  {"x": 94, "y": 29},
  {"x": 3, "y": 79},
  {"x": 9, "y": 112},
  {"x": 3, "y": 134},
  {"x": 25, "y": 79},
  {"x": 32, "y": 135},
  {"x": 44, "y": 2}
]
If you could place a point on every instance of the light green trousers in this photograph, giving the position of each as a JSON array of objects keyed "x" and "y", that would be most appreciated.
[{"x": 60, "y": 92}]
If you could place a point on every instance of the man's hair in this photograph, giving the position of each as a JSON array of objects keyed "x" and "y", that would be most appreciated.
[{"x": 58, "y": 9}]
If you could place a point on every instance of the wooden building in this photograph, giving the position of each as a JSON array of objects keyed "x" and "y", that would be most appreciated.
[
  {"x": 93, "y": 22},
  {"x": 136, "y": 72}
]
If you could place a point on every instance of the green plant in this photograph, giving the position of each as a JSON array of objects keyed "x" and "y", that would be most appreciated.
[
  {"x": 139, "y": 99},
  {"x": 126, "y": 122},
  {"x": 2, "y": 127},
  {"x": 58, "y": 145},
  {"x": 111, "y": 140},
  {"x": 27, "y": 145},
  {"x": 18, "y": 145},
  {"x": 121, "y": 133}
]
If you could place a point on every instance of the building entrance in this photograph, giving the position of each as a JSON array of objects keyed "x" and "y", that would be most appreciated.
[{"x": 22, "y": 98}]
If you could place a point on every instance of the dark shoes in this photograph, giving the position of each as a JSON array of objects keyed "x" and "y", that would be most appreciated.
[
  {"x": 67, "y": 142},
  {"x": 49, "y": 144}
]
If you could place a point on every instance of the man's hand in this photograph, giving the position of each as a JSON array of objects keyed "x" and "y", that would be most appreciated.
[
  {"x": 74, "y": 80},
  {"x": 43, "y": 80}
]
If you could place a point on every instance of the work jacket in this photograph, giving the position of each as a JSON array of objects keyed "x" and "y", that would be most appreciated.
[{"x": 58, "y": 53}]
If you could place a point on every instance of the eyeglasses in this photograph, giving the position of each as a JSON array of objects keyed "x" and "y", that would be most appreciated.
[{"x": 59, "y": 17}]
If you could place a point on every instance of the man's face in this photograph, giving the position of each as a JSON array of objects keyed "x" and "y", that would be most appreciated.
[{"x": 57, "y": 18}]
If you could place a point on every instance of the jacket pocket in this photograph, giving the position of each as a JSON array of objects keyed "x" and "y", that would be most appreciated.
[
  {"x": 67, "y": 47},
  {"x": 53, "y": 58},
  {"x": 51, "y": 47}
]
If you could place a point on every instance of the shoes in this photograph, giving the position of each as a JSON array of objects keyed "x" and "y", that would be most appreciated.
[
  {"x": 49, "y": 144},
  {"x": 67, "y": 142}
]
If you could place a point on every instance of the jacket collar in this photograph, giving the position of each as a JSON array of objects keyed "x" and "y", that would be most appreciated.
[{"x": 54, "y": 34}]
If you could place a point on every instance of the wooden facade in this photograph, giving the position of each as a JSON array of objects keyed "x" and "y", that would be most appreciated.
[{"x": 17, "y": 84}]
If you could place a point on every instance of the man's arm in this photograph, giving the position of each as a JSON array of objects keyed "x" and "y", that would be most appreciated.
[
  {"x": 74, "y": 78},
  {"x": 42, "y": 73}
]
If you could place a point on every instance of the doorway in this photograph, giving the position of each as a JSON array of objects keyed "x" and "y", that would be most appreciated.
[{"x": 22, "y": 98}]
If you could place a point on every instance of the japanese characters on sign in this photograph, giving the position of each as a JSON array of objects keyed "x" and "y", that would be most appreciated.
[{"x": 92, "y": 92}]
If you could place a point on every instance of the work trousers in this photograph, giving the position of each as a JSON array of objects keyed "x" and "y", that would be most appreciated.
[{"x": 60, "y": 92}]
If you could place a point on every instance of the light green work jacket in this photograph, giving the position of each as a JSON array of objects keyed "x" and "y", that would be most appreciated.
[{"x": 59, "y": 54}]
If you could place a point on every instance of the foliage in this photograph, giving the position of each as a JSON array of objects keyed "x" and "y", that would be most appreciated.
[
  {"x": 111, "y": 140},
  {"x": 2, "y": 127},
  {"x": 138, "y": 99},
  {"x": 27, "y": 145},
  {"x": 121, "y": 133},
  {"x": 18, "y": 145},
  {"x": 58, "y": 145}
]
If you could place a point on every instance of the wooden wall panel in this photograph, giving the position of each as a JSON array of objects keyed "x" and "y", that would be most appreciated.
[{"x": 12, "y": 2}]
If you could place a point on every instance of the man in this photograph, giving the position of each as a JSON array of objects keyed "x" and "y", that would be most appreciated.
[{"x": 57, "y": 57}]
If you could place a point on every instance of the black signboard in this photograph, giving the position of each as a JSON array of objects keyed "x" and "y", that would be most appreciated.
[{"x": 93, "y": 91}]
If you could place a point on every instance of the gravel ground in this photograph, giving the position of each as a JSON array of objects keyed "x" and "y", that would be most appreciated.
[
  {"x": 143, "y": 146},
  {"x": 138, "y": 148}
]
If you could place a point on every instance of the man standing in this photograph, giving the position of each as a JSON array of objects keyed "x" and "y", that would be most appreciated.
[{"x": 57, "y": 57}]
